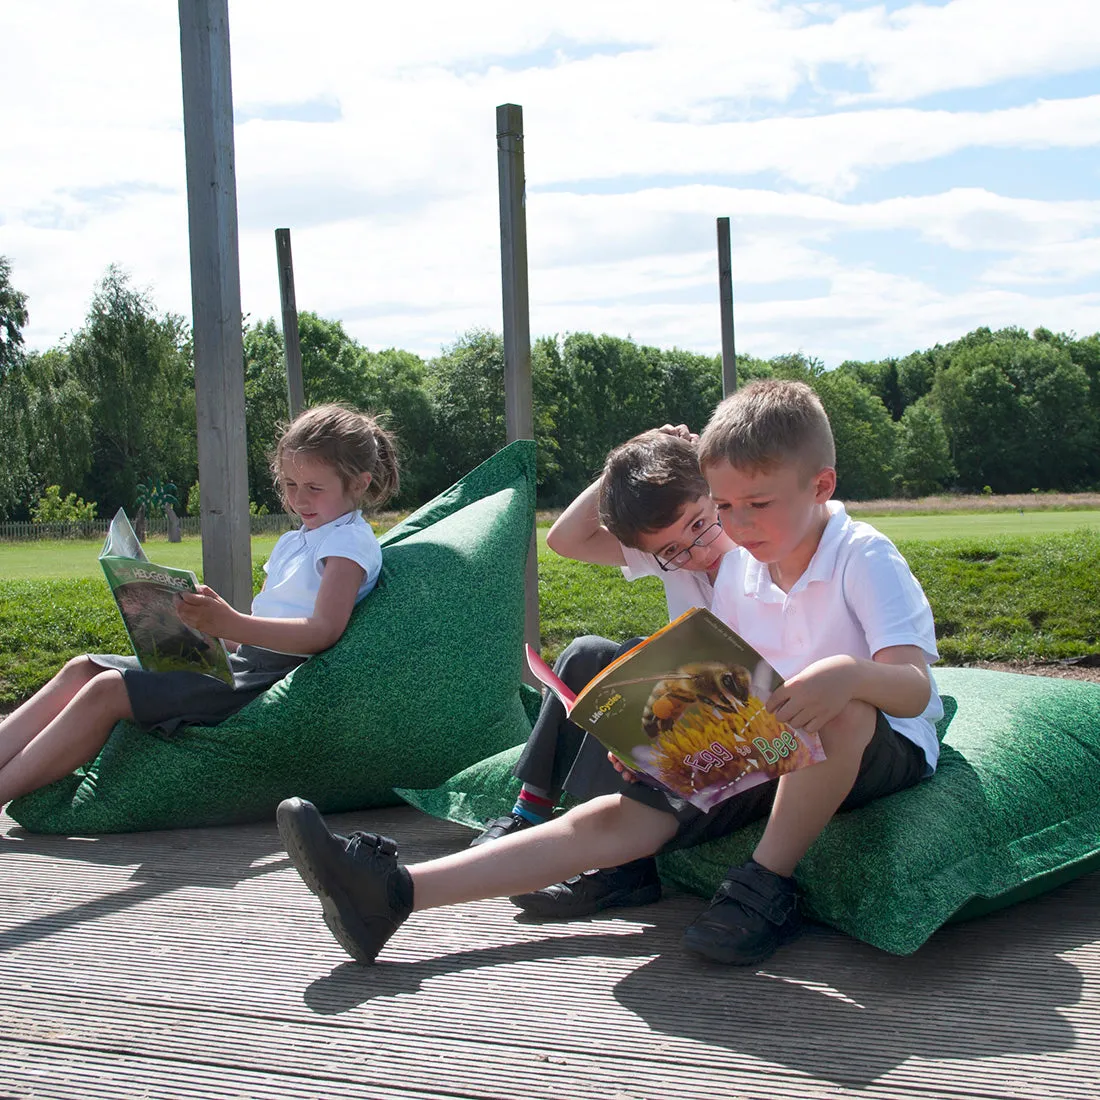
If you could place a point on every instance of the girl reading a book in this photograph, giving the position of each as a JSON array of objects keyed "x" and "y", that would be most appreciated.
[{"x": 329, "y": 463}]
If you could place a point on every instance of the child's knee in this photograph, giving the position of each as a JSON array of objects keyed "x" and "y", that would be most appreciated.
[
  {"x": 632, "y": 823},
  {"x": 81, "y": 669},
  {"x": 107, "y": 691},
  {"x": 852, "y": 729}
]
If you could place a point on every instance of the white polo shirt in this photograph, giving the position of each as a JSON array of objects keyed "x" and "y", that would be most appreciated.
[
  {"x": 297, "y": 564},
  {"x": 684, "y": 588},
  {"x": 856, "y": 597}
]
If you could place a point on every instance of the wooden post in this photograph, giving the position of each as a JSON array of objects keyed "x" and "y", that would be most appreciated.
[
  {"x": 296, "y": 398},
  {"x": 725, "y": 305},
  {"x": 519, "y": 417},
  {"x": 216, "y": 298}
]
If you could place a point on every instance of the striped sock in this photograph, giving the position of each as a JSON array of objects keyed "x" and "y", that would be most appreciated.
[{"x": 534, "y": 807}]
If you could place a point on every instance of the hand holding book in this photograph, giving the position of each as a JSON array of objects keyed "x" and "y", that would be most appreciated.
[
  {"x": 686, "y": 708},
  {"x": 205, "y": 610}
]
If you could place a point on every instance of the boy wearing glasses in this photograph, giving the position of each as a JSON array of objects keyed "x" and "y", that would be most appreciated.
[
  {"x": 649, "y": 513},
  {"x": 828, "y": 601}
]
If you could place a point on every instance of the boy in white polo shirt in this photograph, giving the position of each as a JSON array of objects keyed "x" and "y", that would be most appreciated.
[
  {"x": 650, "y": 513},
  {"x": 836, "y": 610}
]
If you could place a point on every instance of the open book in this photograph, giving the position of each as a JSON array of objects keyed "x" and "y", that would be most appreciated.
[
  {"x": 686, "y": 708},
  {"x": 146, "y": 598}
]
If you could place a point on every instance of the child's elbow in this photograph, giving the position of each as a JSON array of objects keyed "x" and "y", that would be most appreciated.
[
  {"x": 554, "y": 540},
  {"x": 326, "y": 634}
]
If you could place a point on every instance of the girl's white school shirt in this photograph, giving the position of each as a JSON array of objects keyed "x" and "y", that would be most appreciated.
[{"x": 297, "y": 564}]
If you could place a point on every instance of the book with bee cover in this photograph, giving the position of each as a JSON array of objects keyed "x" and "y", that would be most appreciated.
[
  {"x": 146, "y": 597},
  {"x": 685, "y": 708}
]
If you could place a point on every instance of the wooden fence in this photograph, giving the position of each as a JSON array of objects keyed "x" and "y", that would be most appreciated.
[{"x": 97, "y": 528}]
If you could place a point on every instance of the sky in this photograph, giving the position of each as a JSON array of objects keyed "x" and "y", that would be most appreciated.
[{"x": 895, "y": 174}]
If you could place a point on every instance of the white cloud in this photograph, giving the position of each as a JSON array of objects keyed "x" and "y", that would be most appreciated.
[{"x": 393, "y": 202}]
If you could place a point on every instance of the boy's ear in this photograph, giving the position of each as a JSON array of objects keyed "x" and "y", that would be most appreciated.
[{"x": 824, "y": 482}]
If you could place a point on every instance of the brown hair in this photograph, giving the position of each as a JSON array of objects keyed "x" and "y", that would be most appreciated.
[
  {"x": 766, "y": 424},
  {"x": 351, "y": 442},
  {"x": 646, "y": 482}
]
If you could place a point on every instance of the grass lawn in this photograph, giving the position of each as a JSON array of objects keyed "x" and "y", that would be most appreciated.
[
  {"x": 1028, "y": 589},
  {"x": 951, "y": 525},
  {"x": 48, "y": 559}
]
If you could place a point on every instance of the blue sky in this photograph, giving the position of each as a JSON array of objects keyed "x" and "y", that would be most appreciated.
[{"x": 895, "y": 173}]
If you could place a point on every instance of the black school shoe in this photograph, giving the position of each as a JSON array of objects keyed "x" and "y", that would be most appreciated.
[
  {"x": 501, "y": 827},
  {"x": 365, "y": 895},
  {"x": 753, "y": 912},
  {"x": 634, "y": 883}
]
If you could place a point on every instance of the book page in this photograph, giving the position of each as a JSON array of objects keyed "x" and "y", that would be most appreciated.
[{"x": 687, "y": 708}]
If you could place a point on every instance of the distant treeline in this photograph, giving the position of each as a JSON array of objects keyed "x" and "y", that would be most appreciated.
[{"x": 113, "y": 405}]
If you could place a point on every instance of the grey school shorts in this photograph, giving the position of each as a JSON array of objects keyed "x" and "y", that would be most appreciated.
[
  {"x": 890, "y": 763},
  {"x": 164, "y": 701}
]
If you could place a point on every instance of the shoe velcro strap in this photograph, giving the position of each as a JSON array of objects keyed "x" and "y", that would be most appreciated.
[
  {"x": 764, "y": 893},
  {"x": 385, "y": 845}
]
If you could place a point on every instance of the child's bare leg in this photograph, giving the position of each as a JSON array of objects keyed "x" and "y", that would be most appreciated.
[
  {"x": 755, "y": 909},
  {"x": 807, "y": 799},
  {"x": 604, "y": 832},
  {"x": 366, "y": 894},
  {"x": 29, "y": 720},
  {"x": 72, "y": 738}
]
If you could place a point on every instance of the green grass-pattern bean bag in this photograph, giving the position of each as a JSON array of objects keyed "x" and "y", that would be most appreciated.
[
  {"x": 1013, "y": 810},
  {"x": 424, "y": 681}
]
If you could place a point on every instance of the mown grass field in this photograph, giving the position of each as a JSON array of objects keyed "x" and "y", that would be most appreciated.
[{"x": 1002, "y": 586}]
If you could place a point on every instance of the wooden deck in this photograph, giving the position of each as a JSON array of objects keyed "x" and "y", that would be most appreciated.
[{"x": 194, "y": 964}]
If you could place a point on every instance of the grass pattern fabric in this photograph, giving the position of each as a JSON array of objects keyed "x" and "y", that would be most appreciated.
[
  {"x": 424, "y": 681},
  {"x": 1012, "y": 811}
]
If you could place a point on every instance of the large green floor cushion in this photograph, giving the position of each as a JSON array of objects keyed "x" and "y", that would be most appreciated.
[
  {"x": 1012, "y": 811},
  {"x": 425, "y": 681}
]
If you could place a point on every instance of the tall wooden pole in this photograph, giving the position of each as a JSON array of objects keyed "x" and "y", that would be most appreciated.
[
  {"x": 216, "y": 298},
  {"x": 519, "y": 418},
  {"x": 296, "y": 397},
  {"x": 725, "y": 305}
]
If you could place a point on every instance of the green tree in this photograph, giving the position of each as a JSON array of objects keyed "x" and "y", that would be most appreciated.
[
  {"x": 266, "y": 407},
  {"x": 1017, "y": 412},
  {"x": 466, "y": 388},
  {"x": 922, "y": 460},
  {"x": 137, "y": 370},
  {"x": 865, "y": 436},
  {"x": 13, "y": 319},
  {"x": 392, "y": 384},
  {"x": 691, "y": 387},
  {"x": 881, "y": 379},
  {"x": 14, "y": 470}
]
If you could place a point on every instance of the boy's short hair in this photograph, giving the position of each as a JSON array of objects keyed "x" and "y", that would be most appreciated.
[
  {"x": 766, "y": 424},
  {"x": 646, "y": 482}
]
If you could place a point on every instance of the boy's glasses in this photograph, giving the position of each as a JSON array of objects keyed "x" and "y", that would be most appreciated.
[{"x": 678, "y": 561}]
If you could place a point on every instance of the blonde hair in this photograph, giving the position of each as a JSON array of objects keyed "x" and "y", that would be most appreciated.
[
  {"x": 769, "y": 423},
  {"x": 353, "y": 443}
]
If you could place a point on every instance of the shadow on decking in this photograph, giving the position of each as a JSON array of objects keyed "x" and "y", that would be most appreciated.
[{"x": 826, "y": 1007}]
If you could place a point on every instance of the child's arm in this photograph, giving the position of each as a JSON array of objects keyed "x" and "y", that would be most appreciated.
[
  {"x": 577, "y": 533},
  {"x": 895, "y": 680},
  {"x": 206, "y": 610}
]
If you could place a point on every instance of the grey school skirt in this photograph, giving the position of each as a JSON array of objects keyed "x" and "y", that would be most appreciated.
[{"x": 167, "y": 700}]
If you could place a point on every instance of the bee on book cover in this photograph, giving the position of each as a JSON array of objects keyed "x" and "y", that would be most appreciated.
[{"x": 707, "y": 733}]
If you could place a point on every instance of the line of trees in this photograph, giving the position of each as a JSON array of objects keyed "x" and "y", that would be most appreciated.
[{"x": 113, "y": 405}]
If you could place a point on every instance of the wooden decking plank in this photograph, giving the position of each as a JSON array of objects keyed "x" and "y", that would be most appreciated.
[
  {"x": 220, "y": 1040},
  {"x": 202, "y": 944}
]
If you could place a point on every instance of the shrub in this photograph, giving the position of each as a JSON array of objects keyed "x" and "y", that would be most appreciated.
[{"x": 53, "y": 508}]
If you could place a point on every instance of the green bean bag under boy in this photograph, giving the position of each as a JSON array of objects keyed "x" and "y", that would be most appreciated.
[
  {"x": 424, "y": 681},
  {"x": 1012, "y": 811}
]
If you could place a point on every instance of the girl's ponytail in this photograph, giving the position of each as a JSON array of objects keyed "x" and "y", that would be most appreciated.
[{"x": 385, "y": 479}]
